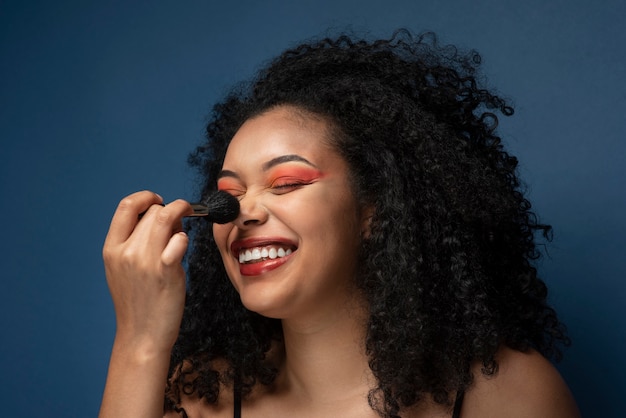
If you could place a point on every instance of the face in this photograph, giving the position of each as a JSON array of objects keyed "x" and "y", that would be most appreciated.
[{"x": 293, "y": 249}]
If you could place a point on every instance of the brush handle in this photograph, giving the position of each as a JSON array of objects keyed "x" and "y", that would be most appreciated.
[
  {"x": 199, "y": 209},
  {"x": 220, "y": 207}
]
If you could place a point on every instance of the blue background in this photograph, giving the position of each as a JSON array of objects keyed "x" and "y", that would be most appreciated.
[{"x": 100, "y": 99}]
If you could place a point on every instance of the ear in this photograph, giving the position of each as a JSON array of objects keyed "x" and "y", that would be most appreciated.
[{"x": 366, "y": 221}]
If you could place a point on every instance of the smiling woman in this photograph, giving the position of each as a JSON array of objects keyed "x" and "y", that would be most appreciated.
[
  {"x": 292, "y": 188},
  {"x": 381, "y": 263}
]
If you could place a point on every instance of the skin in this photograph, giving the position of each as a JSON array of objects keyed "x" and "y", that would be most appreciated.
[
  {"x": 313, "y": 292},
  {"x": 304, "y": 201},
  {"x": 147, "y": 283},
  {"x": 294, "y": 192}
]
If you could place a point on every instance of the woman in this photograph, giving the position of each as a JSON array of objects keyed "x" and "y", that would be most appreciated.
[{"x": 381, "y": 263}]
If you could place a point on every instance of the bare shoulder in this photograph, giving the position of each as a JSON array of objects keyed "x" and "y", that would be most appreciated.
[{"x": 526, "y": 385}]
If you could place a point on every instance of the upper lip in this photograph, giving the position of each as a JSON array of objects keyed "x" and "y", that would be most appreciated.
[{"x": 237, "y": 245}]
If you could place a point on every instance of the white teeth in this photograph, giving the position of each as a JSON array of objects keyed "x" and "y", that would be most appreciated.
[{"x": 264, "y": 253}]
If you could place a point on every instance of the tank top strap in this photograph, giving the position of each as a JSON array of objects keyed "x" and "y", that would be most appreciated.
[
  {"x": 237, "y": 403},
  {"x": 458, "y": 403}
]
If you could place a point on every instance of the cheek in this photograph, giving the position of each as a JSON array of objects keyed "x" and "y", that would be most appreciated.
[
  {"x": 331, "y": 218},
  {"x": 220, "y": 234}
]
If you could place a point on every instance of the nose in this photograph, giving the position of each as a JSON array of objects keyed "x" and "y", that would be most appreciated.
[{"x": 251, "y": 212}]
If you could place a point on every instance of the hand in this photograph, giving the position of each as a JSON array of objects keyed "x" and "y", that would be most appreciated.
[{"x": 143, "y": 267}]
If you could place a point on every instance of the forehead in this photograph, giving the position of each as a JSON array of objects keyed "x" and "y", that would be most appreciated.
[{"x": 281, "y": 131}]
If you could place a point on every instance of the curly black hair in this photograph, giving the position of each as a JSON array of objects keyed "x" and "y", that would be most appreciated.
[{"x": 448, "y": 270}]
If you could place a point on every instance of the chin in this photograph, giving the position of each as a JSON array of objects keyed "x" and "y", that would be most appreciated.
[{"x": 265, "y": 302}]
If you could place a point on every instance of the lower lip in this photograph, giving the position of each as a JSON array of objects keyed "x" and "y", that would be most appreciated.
[{"x": 256, "y": 269}]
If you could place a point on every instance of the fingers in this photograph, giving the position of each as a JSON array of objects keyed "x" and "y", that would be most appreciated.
[
  {"x": 174, "y": 252},
  {"x": 159, "y": 224},
  {"x": 127, "y": 213},
  {"x": 162, "y": 220},
  {"x": 143, "y": 264},
  {"x": 139, "y": 244}
]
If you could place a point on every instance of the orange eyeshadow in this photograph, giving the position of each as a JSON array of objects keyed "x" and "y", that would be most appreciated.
[
  {"x": 227, "y": 184},
  {"x": 300, "y": 174}
]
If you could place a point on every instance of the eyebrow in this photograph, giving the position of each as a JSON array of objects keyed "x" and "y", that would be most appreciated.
[
  {"x": 271, "y": 163},
  {"x": 227, "y": 173},
  {"x": 285, "y": 159}
]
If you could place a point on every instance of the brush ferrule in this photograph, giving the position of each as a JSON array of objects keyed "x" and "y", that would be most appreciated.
[{"x": 199, "y": 209}]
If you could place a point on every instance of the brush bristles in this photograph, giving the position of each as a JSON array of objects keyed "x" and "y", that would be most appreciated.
[{"x": 221, "y": 207}]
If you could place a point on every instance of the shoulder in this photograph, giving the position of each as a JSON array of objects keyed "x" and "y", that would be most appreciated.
[{"x": 526, "y": 385}]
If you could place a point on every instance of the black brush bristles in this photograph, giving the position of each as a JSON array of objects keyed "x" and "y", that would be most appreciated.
[{"x": 219, "y": 207}]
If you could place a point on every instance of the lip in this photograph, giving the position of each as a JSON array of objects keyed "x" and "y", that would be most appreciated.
[
  {"x": 237, "y": 245},
  {"x": 261, "y": 267}
]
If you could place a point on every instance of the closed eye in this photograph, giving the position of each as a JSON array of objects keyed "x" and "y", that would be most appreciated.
[
  {"x": 286, "y": 185},
  {"x": 229, "y": 183},
  {"x": 233, "y": 192}
]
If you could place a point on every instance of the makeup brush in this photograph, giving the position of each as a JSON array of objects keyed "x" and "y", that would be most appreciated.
[{"x": 219, "y": 207}]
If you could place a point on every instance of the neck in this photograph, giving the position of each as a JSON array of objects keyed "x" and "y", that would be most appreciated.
[{"x": 324, "y": 358}]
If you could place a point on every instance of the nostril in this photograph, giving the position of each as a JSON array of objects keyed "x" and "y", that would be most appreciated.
[{"x": 251, "y": 214}]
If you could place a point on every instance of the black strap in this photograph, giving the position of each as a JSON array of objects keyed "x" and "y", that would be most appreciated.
[
  {"x": 237, "y": 403},
  {"x": 458, "y": 403}
]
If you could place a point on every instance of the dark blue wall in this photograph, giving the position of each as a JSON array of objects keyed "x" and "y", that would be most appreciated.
[{"x": 100, "y": 99}]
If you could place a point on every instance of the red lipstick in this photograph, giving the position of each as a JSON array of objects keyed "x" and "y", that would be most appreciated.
[{"x": 267, "y": 262}]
